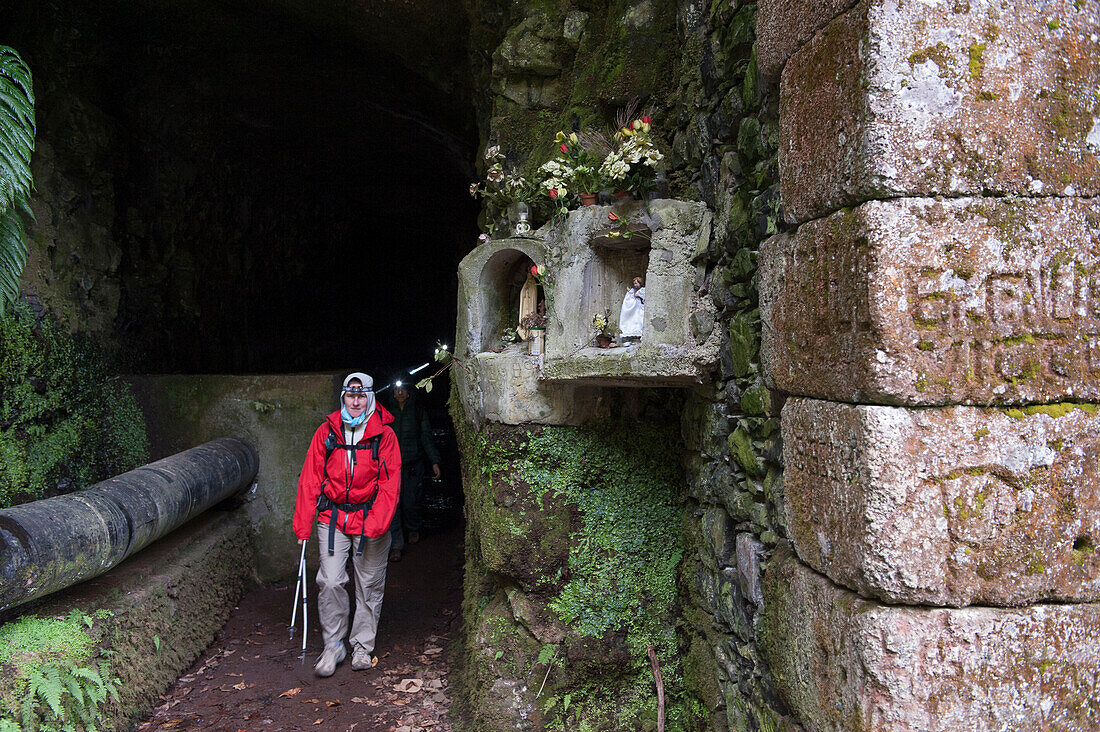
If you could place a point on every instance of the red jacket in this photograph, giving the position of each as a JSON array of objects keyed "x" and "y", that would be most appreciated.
[{"x": 369, "y": 477}]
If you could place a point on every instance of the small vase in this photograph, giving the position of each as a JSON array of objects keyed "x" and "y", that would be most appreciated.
[
  {"x": 587, "y": 199},
  {"x": 622, "y": 193},
  {"x": 519, "y": 216},
  {"x": 537, "y": 344},
  {"x": 603, "y": 340}
]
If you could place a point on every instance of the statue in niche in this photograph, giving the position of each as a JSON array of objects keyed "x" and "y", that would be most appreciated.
[
  {"x": 528, "y": 304},
  {"x": 632, "y": 314}
]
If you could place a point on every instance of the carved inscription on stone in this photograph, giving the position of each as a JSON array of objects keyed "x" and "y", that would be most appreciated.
[
  {"x": 949, "y": 506},
  {"x": 980, "y": 97},
  {"x": 918, "y": 301},
  {"x": 843, "y": 663}
]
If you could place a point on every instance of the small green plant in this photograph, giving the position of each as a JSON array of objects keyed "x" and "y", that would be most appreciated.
[{"x": 55, "y": 684}]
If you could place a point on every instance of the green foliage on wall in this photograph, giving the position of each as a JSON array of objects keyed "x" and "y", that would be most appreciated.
[
  {"x": 53, "y": 680},
  {"x": 64, "y": 422},
  {"x": 624, "y": 478}
]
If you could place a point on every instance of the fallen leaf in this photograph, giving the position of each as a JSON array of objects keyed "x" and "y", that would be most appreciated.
[
  {"x": 359, "y": 700},
  {"x": 237, "y": 675},
  {"x": 432, "y": 650},
  {"x": 409, "y": 686},
  {"x": 291, "y": 692},
  {"x": 400, "y": 702},
  {"x": 170, "y": 723},
  {"x": 311, "y": 701},
  {"x": 241, "y": 686},
  {"x": 332, "y": 703},
  {"x": 319, "y": 721}
]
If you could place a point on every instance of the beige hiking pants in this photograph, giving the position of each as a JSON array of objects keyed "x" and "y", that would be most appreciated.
[{"x": 370, "y": 584}]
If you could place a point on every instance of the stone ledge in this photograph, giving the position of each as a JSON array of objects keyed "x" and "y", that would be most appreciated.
[
  {"x": 901, "y": 99},
  {"x": 924, "y": 302},
  {"x": 843, "y": 663},
  {"x": 949, "y": 506},
  {"x": 180, "y": 590}
]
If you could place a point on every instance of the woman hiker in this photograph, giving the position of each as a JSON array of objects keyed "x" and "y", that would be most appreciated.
[{"x": 351, "y": 481}]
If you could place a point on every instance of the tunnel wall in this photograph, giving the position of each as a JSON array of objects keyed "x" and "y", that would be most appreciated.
[{"x": 276, "y": 414}]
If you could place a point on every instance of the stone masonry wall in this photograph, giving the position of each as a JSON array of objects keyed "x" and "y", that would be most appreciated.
[{"x": 939, "y": 161}]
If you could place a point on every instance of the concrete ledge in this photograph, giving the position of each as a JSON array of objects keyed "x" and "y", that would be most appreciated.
[
  {"x": 180, "y": 591},
  {"x": 949, "y": 506},
  {"x": 843, "y": 663}
]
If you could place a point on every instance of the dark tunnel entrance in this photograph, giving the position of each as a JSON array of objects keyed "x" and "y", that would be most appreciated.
[{"x": 286, "y": 182}]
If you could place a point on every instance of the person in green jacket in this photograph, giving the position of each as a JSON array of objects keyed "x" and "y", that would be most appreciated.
[{"x": 414, "y": 435}]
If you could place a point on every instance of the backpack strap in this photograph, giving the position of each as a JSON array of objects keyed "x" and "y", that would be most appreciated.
[{"x": 324, "y": 503}]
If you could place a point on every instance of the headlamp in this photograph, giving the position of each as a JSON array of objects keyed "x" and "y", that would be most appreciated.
[{"x": 358, "y": 389}]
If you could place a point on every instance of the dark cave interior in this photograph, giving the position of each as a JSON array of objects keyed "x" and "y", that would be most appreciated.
[{"x": 286, "y": 181}]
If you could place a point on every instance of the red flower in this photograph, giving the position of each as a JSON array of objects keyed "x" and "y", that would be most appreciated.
[
  {"x": 647, "y": 120},
  {"x": 613, "y": 216},
  {"x": 553, "y": 193},
  {"x": 534, "y": 269},
  {"x": 564, "y": 148}
]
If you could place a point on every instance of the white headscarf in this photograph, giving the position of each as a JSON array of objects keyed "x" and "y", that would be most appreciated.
[{"x": 367, "y": 382}]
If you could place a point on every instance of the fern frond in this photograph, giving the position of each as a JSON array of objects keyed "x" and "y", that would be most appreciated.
[
  {"x": 50, "y": 691},
  {"x": 29, "y": 718},
  {"x": 17, "y": 123},
  {"x": 17, "y": 131},
  {"x": 13, "y": 256},
  {"x": 76, "y": 691}
]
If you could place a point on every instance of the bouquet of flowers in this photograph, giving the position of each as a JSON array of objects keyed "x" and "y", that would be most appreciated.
[
  {"x": 575, "y": 170},
  {"x": 501, "y": 189},
  {"x": 632, "y": 163}
]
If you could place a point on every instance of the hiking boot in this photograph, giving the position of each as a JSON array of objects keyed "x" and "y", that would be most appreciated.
[
  {"x": 361, "y": 659},
  {"x": 395, "y": 555},
  {"x": 330, "y": 658},
  {"x": 414, "y": 536}
]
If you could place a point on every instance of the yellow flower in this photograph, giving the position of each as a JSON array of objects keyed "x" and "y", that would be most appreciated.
[
  {"x": 573, "y": 138},
  {"x": 560, "y": 137},
  {"x": 645, "y": 127}
]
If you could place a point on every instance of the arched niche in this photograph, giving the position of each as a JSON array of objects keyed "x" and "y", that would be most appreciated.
[{"x": 504, "y": 283}]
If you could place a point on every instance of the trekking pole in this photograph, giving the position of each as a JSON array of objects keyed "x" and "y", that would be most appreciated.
[
  {"x": 297, "y": 590},
  {"x": 305, "y": 613}
]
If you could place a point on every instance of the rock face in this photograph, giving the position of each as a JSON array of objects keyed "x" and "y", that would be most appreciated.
[
  {"x": 938, "y": 669},
  {"x": 946, "y": 506},
  {"x": 886, "y": 99},
  {"x": 782, "y": 26},
  {"x": 918, "y": 301}
]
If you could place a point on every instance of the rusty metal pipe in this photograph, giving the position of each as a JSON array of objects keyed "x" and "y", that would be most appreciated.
[{"x": 48, "y": 545}]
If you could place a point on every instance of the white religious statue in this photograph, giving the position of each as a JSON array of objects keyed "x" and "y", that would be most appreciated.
[{"x": 633, "y": 313}]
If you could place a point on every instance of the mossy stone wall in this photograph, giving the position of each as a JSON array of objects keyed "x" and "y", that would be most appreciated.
[{"x": 694, "y": 65}]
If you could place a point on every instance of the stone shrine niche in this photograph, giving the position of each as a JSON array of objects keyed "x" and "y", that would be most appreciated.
[
  {"x": 608, "y": 275},
  {"x": 590, "y": 258},
  {"x": 505, "y": 288}
]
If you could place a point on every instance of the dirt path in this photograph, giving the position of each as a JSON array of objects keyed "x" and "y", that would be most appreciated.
[{"x": 251, "y": 676}]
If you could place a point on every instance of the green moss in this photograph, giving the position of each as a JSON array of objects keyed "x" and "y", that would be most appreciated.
[
  {"x": 65, "y": 423},
  {"x": 1053, "y": 24},
  {"x": 926, "y": 345},
  {"x": 938, "y": 54},
  {"x": 980, "y": 433},
  {"x": 987, "y": 96},
  {"x": 976, "y": 51},
  {"x": 1035, "y": 565}
]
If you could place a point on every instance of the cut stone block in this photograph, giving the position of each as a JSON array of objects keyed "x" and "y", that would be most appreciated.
[
  {"x": 843, "y": 663},
  {"x": 924, "y": 98},
  {"x": 782, "y": 26},
  {"x": 925, "y": 302},
  {"x": 951, "y": 506}
]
